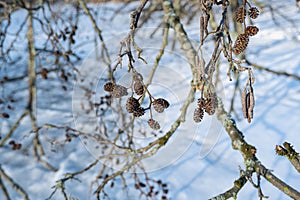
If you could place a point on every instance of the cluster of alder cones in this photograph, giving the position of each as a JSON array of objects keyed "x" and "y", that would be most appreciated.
[
  {"x": 208, "y": 105},
  {"x": 242, "y": 39},
  {"x": 133, "y": 105}
]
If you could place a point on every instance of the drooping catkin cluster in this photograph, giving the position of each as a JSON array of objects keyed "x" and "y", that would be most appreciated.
[
  {"x": 248, "y": 103},
  {"x": 242, "y": 39},
  {"x": 208, "y": 105}
]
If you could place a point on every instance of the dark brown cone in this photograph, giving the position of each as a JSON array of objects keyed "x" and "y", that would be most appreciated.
[
  {"x": 211, "y": 104},
  {"x": 119, "y": 91},
  {"x": 153, "y": 124},
  {"x": 198, "y": 115},
  {"x": 240, "y": 43},
  {"x": 109, "y": 87},
  {"x": 132, "y": 104},
  {"x": 139, "y": 112},
  {"x": 138, "y": 88},
  {"x": 251, "y": 30},
  {"x": 201, "y": 102},
  {"x": 160, "y": 104},
  {"x": 240, "y": 15},
  {"x": 253, "y": 12},
  {"x": 209, "y": 108}
]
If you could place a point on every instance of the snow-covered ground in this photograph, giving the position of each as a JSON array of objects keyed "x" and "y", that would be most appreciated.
[{"x": 199, "y": 162}]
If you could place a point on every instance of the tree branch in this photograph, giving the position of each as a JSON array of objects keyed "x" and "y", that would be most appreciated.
[{"x": 248, "y": 152}]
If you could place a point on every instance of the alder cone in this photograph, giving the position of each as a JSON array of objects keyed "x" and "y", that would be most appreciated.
[
  {"x": 251, "y": 30},
  {"x": 139, "y": 112},
  {"x": 138, "y": 88},
  {"x": 241, "y": 43},
  {"x": 132, "y": 104},
  {"x": 201, "y": 102},
  {"x": 160, "y": 105},
  {"x": 119, "y": 91},
  {"x": 198, "y": 115},
  {"x": 253, "y": 12},
  {"x": 153, "y": 124},
  {"x": 109, "y": 87}
]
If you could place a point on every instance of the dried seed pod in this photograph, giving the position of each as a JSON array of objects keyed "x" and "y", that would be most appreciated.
[
  {"x": 253, "y": 12},
  {"x": 201, "y": 102},
  {"x": 119, "y": 91},
  {"x": 153, "y": 124},
  {"x": 198, "y": 115},
  {"x": 132, "y": 104},
  {"x": 109, "y": 86},
  {"x": 160, "y": 105},
  {"x": 240, "y": 43},
  {"x": 139, "y": 112},
  {"x": 251, "y": 30},
  {"x": 240, "y": 14},
  {"x": 138, "y": 88}
]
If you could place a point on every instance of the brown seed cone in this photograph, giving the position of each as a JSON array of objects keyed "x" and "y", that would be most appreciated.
[
  {"x": 214, "y": 99},
  {"x": 138, "y": 88},
  {"x": 198, "y": 115},
  {"x": 132, "y": 104},
  {"x": 153, "y": 124},
  {"x": 251, "y": 30},
  {"x": 139, "y": 112},
  {"x": 240, "y": 15},
  {"x": 253, "y": 12},
  {"x": 160, "y": 104},
  {"x": 241, "y": 43},
  {"x": 109, "y": 86},
  {"x": 201, "y": 103},
  {"x": 210, "y": 107},
  {"x": 119, "y": 91}
]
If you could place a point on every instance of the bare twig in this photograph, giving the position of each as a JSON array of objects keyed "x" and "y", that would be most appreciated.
[
  {"x": 288, "y": 151},
  {"x": 31, "y": 101},
  {"x": 248, "y": 152},
  {"x": 15, "y": 185},
  {"x": 280, "y": 73}
]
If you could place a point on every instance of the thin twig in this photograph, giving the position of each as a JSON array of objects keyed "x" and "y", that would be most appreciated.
[{"x": 15, "y": 185}]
